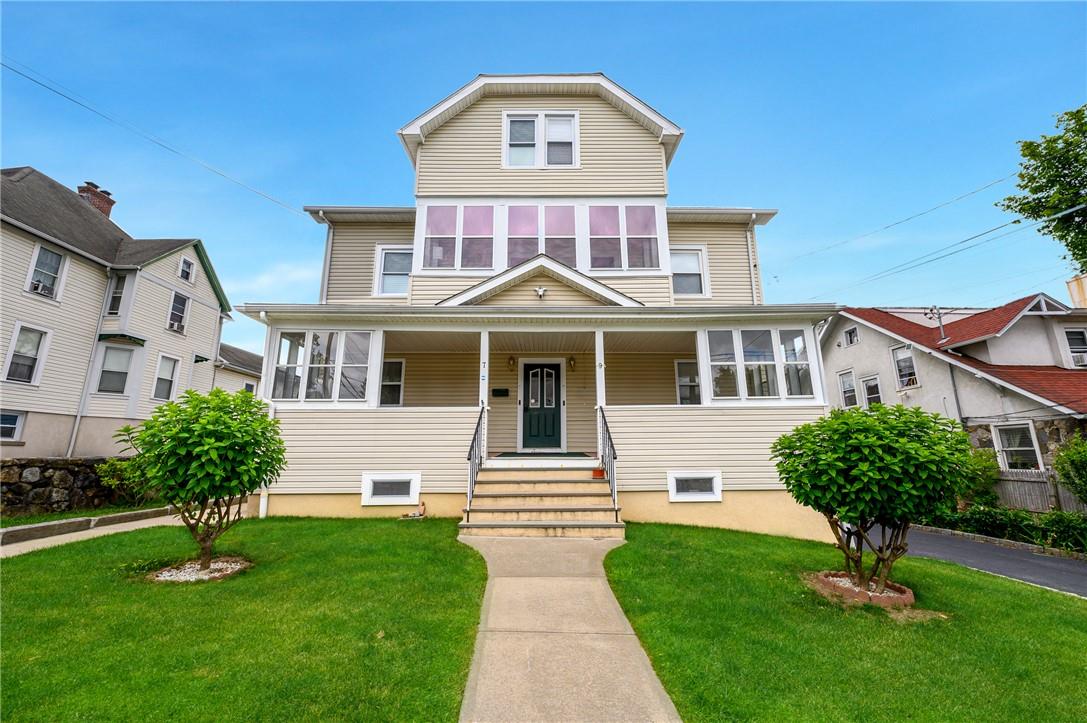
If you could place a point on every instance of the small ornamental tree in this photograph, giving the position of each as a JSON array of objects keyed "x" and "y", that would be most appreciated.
[
  {"x": 204, "y": 454},
  {"x": 1070, "y": 462},
  {"x": 884, "y": 466}
]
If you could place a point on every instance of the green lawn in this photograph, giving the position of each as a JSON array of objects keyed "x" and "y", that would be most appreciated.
[
  {"x": 337, "y": 619},
  {"x": 734, "y": 634},
  {"x": 15, "y": 520}
]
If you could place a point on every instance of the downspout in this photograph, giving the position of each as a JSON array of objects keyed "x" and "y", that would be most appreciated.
[
  {"x": 753, "y": 262},
  {"x": 328, "y": 257},
  {"x": 955, "y": 392},
  {"x": 90, "y": 366}
]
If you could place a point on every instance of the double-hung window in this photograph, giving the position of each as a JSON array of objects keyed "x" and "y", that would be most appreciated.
[
  {"x": 179, "y": 308},
  {"x": 11, "y": 425},
  {"x": 605, "y": 250},
  {"x": 333, "y": 365},
  {"x": 1077, "y": 344},
  {"x": 629, "y": 243},
  {"x": 850, "y": 336},
  {"x": 688, "y": 272},
  {"x": 760, "y": 371},
  {"x": 116, "y": 362},
  {"x": 688, "y": 390},
  {"x": 116, "y": 295},
  {"x": 392, "y": 383},
  {"x": 848, "y": 384},
  {"x": 166, "y": 378},
  {"x": 641, "y": 235},
  {"x": 521, "y": 139},
  {"x": 560, "y": 140},
  {"x": 1017, "y": 447},
  {"x": 440, "y": 246},
  {"x": 870, "y": 387},
  {"x": 394, "y": 266},
  {"x": 186, "y": 271},
  {"x": 523, "y": 234},
  {"x": 794, "y": 357},
  {"x": 905, "y": 371},
  {"x": 541, "y": 140},
  {"x": 723, "y": 362},
  {"x": 45, "y": 278},
  {"x": 458, "y": 237},
  {"x": 477, "y": 238},
  {"x": 27, "y": 353},
  {"x": 560, "y": 242}
]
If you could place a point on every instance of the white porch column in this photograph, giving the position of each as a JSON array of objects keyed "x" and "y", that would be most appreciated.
[
  {"x": 705, "y": 376},
  {"x": 601, "y": 389},
  {"x": 375, "y": 362},
  {"x": 484, "y": 366}
]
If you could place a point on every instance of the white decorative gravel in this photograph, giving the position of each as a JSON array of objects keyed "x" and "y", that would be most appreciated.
[{"x": 191, "y": 572}]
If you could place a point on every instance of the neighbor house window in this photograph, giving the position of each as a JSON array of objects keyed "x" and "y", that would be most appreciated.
[
  {"x": 760, "y": 371},
  {"x": 11, "y": 425},
  {"x": 116, "y": 295},
  {"x": 523, "y": 232},
  {"x": 641, "y": 237},
  {"x": 27, "y": 354},
  {"x": 870, "y": 388},
  {"x": 45, "y": 278},
  {"x": 1017, "y": 447},
  {"x": 723, "y": 362},
  {"x": 687, "y": 388},
  {"x": 116, "y": 361},
  {"x": 288, "y": 372},
  {"x": 695, "y": 486},
  {"x": 850, "y": 336},
  {"x": 394, "y": 267},
  {"x": 559, "y": 235},
  {"x": 250, "y": 387},
  {"x": 186, "y": 270},
  {"x": 179, "y": 307},
  {"x": 848, "y": 385},
  {"x": 166, "y": 377},
  {"x": 904, "y": 368},
  {"x": 687, "y": 273},
  {"x": 794, "y": 355},
  {"x": 1077, "y": 344},
  {"x": 521, "y": 135},
  {"x": 392, "y": 383},
  {"x": 440, "y": 246},
  {"x": 605, "y": 251},
  {"x": 477, "y": 243},
  {"x": 391, "y": 488},
  {"x": 541, "y": 140}
]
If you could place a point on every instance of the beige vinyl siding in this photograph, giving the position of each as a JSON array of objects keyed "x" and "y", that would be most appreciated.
[
  {"x": 728, "y": 262},
  {"x": 464, "y": 156},
  {"x": 580, "y": 402},
  {"x": 439, "y": 380},
  {"x": 736, "y": 440},
  {"x": 231, "y": 381},
  {"x": 167, "y": 267},
  {"x": 650, "y": 290},
  {"x": 641, "y": 378},
  {"x": 429, "y": 290},
  {"x": 524, "y": 294},
  {"x": 72, "y": 320},
  {"x": 351, "y": 263},
  {"x": 329, "y": 450}
]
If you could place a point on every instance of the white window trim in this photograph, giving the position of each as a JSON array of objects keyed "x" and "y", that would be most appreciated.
[
  {"x": 1068, "y": 345},
  {"x": 99, "y": 367},
  {"x": 381, "y": 382},
  {"x": 841, "y": 389},
  {"x": 703, "y": 265},
  {"x": 862, "y": 396},
  {"x": 368, "y": 479},
  {"x": 379, "y": 267},
  {"x": 675, "y": 370},
  {"x": 155, "y": 379},
  {"x": 191, "y": 281},
  {"x": 521, "y": 361},
  {"x": 894, "y": 368},
  {"x": 541, "y": 138},
  {"x": 458, "y": 244},
  {"x": 846, "y": 330},
  {"x": 20, "y": 420},
  {"x": 374, "y": 358},
  {"x": 62, "y": 274},
  {"x": 778, "y": 363},
  {"x": 246, "y": 385},
  {"x": 112, "y": 286},
  {"x": 994, "y": 430},
  {"x": 43, "y": 352},
  {"x": 714, "y": 496},
  {"x": 185, "y": 317}
]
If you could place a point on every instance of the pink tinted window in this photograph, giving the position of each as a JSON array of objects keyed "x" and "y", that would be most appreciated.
[
  {"x": 524, "y": 221},
  {"x": 641, "y": 221},
  {"x": 476, "y": 253},
  {"x": 603, "y": 220},
  {"x": 563, "y": 250},
  {"x": 478, "y": 221},
  {"x": 441, "y": 221},
  {"x": 520, "y": 250},
  {"x": 559, "y": 220}
]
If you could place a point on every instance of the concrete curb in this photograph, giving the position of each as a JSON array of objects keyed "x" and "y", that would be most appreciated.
[
  {"x": 23, "y": 533},
  {"x": 1001, "y": 542}
]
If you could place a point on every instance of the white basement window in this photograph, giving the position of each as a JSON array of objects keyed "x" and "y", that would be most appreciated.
[
  {"x": 1017, "y": 446},
  {"x": 694, "y": 486},
  {"x": 905, "y": 371},
  {"x": 391, "y": 488}
]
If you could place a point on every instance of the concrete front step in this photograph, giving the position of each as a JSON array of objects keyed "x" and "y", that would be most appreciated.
[
  {"x": 596, "y": 513},
  {"x": 539, "y": 499},
  {"x": 543, "y": 529},
  {"x": 528, "y": 475},
  {"x": 557, "y": 486}
]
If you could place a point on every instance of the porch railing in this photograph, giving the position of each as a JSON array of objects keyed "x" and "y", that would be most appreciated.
[
  {"x": 475, "y": 458},
  {"x": 608, "y": 457}
]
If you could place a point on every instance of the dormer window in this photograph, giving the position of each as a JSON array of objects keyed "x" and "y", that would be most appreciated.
[{"x": 541, "y": 139}]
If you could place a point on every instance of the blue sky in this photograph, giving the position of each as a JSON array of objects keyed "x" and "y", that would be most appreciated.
[{"x": 846, "y": 117}]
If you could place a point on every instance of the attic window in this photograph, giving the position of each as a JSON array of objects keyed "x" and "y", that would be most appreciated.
[
  {"x": 540, "y": 139},
  {"x": 186, "y": 270}
]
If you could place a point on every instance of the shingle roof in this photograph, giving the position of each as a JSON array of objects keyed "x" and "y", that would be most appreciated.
[
  {"x": 241, "y": 359},
  {"x": 1066, "y": 387}
]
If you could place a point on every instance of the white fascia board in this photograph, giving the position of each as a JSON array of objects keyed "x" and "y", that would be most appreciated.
[{"x": 529, "y": 268}]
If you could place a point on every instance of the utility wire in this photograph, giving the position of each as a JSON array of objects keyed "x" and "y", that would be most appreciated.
[
  {"x": 1014, "y": 415},
  {"x": 147, "y": 136}
]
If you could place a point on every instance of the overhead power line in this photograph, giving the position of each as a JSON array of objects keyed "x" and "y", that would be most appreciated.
[{"x": 70, "y": 96}]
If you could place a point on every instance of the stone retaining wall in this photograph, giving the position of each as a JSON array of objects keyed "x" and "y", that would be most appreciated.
[{"x": 55, "y": 484}]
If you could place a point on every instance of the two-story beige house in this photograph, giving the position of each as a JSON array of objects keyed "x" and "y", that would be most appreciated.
[
  {"x": 96, "y": 328},
  {"x": 541, "y": 343}
]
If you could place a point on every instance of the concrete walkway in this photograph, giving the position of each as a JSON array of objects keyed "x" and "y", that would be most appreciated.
[
  {"x": 18, "y": 548},
  {"x": 553, "y": 642}
]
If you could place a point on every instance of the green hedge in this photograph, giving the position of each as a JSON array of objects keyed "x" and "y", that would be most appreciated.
[{"x": 1064, "y": 530}]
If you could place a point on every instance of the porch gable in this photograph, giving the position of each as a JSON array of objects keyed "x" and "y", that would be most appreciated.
[{"x": 517, "y": 287}]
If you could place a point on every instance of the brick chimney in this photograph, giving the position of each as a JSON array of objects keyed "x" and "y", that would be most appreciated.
[{"x": 97, "y": 197}]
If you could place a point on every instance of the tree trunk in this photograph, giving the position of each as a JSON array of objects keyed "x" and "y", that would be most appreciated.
[{"x": 205, "y": 554}]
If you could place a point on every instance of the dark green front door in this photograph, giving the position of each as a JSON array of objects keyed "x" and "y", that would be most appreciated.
[{"x": 541, "y": 406}]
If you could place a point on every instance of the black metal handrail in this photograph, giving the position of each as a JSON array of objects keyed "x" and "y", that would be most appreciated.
[
  {"x": 475, "y": 460},
  {"x": 607, "y": 458}
]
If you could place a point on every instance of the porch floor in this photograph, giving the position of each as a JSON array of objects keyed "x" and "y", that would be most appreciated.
[{"x": 543, "y": 455}]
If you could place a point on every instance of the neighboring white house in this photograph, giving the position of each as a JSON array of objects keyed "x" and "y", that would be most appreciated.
[
  {"x": 96, "y": 328},
  {"x": 1015, "y": 375},
  {"x": 541, "y": 312},
  {"x": 237, "y": 369}
]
